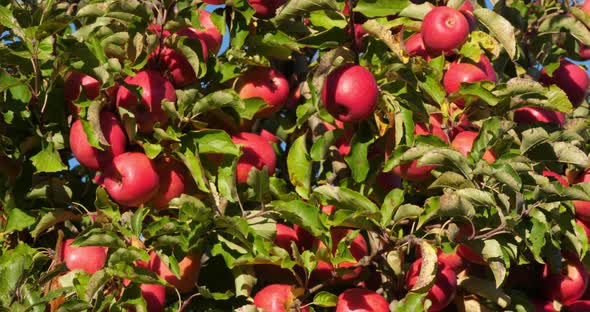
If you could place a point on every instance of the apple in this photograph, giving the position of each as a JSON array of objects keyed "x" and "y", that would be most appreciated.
[
  {"x": 278, "y": 298},
  {"x": 452, "y": 260},
  {"x": 269, "y": 136},
  {"x": 542, "y": 305},
  {"x": 304, "y": 238},
  {"x": 343, "y": 142},
  {"x": 579, "y": 306},
  {"x": 444, "y": 29},
  {"x": 266, "y": 83},
  {"x": 583, "y": 52},
  {"x": 174, "y": 66},
  {"x": 558, "y": 177},
  {"x": 256, "y": 152},
  {"x": 92, "y": 157},
  {"x": 131, "y": 179},
  {"x": 87, "y": 258},
  {"x": 571, "y": 78},
  {"x": 154, "y": 89},
  {"x": 442, "y": 291},
  {"x": 190, "y": 267},
  {"x": 415, "y": 46},
  {"x": 75, "y": 80},
  {"x": 359, "y": 299},
  {"x": 583, "y": 207},
  {"x": 359, "y": 36},
  {"x": 434, "y": 127},
  {"x": 389, "y": 181},
  {"x": 585, "y": 227},
  {"x": 463, "y": 142},
  {"x": 174, "y": 181},
  {"x": 284, "y": 236},
  {"x": 210, "y": 37},
  {"x": 467, "y": 10},
  {"x": 154, "y": 296},
  {"x": 486, "y": 66},
  {"x": 569, "y": 284},
  {"x": 266, "y": 8},
  {"x": 458, "y": 73},
  {"x": 529, "y": 115},
  {"x": 350, "y": 93},
  {"x": 358, "y": 248}
]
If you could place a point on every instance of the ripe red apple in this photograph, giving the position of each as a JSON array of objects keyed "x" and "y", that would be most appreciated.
[
  {"x": 266, "y": 83},
  {"x": 452, "y": 261},
  {"x": 74, "y": 81},
  {"x": 467, "y": 10},
  {"x": 359, "y": 36},
  {"x": 284, "y": 236},
  {"x": 359, "y": 299},
  {"x": 568, "y": 285},
  {"x": 91, "y": 157},
  {"x": 583, "y": 207},
  {"x": 529, "y": 115},
  {"x": 415, "y": 46},
  {"x": 571, "y": 78},
  {"x": 443, "y": 290},
  {"x": 579, "y": 306},
  {"x": 131, "y": 179},
  {"x": 277, "y": 298},
  {"x": 256, "y": 152},
  {"x": 174, "y": 66},
  {"x": 269, "y": 136},
  {"x": 358, "y": 248},
  {"x": 210, "y": 37},
  {"x": 148, "y": 110},
  {"x": 583, "y": 52},
  {"x": 343, "y": 142},
  {"x": 154, "y": 296},
  {"x": 304, "y": 238},
  {"x": 434, "y": 127},
  {"x": 463, "y": 142},
  {"x": 266, "y": 8},
  {"x": 444, "y": 29},
  {"x": 461, "y": 72},
  {"x": 486, "y": 65},
  {"x": 350, "y": 93},
  {"x": 542, "y": 305},
  {"x": 174, "y": 179},
  {"x": 190, "y": 267},
  {"x": 466, "y": 253},
  {"x": 558, "y": 177},
  {"x": 87, "y": 258}
]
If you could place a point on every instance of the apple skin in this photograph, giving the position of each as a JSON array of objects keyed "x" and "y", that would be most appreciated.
[
  {"x": 174, "y": 179},
  {"x": 542, "y": 305},
  {"x": 359, "y": 299},
  {"x": 583, "y": 53},
  {"x": 461, "y": 72},
  {"x": 350, "y": 93},
  {"x": 568, "y": 285},
  {"x": 358, "y": 248},
  {"x": 190, "y": 267},
  {"x": 343, "y": 142},
  {"x": 256, "y": 152},
  {"x": 571, "y": 78},
  {"x": 442, "y": 292},
  {"x": 131, "y": 180},
  {"x": 451, "y": 260},
  {"x": 87, "y": 258},
  {"x": 276, "y": 298},
  {"x": 415, "y": 46},
  {"x": 305, "y": 239},
  {"x": 148, "y": 110},
  {"x": 467, "y": 10},
  {"x": 486, "y": 65},
  {"x": 284, "y": 236},
  {"x": 558, "y": 177},
  {"x": 266, "y": 83},
  {"x": 583, "y": 207},
  {"x": 154, "y": 296},
  {"x": 579, "y": 306},
  {"x": 210, "y": 37},
  {"x": 174, "y": 66},
  {"x": 529, "y": 115},
  {"x": 75, "y": 80},
  {"x": 91, "y": 157},
  {"x": 444, "y": 29},
  {"x": 266, "y": 8},
  {"x": 269, "y": 136},
  {"x": 463, "y": 142}
]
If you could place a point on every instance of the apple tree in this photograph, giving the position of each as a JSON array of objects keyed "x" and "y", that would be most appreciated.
[{"x": 294, "y": 155}]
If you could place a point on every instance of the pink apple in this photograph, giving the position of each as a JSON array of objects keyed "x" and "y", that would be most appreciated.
[
  {"x": 583, "y": 207},
  {"x": 571, "y": 78},
  {"x": 277, "y": 298},
  {"x": 569, "y": 284},
  {"x": 444, "y": 29},
  {"x": 358, "y": 248},
  {"x": 415, "y": 46},
  {"x": 154, "y": 296},
  {"x": 265, "y": 83},
  {"x": 210, "y": 37},
  {"x": 458, "y": 73},
  {"x": 87, "y": 258},
  {"x": 75, "y": 80},
  {"x": 442, "y": 292},
  {"x": 190, "y": 266},
  {"x": 529, "y": 115},
  {"x": 361, "y": 300},
  {"x": 558, "y": 177},
  {"x": 256, "y": 153},
  {"x": 266, "y": 8},
  {"x": 284, "y": 236},
  {"x": 463, "y": 142},
  {"x": 174, "y": 180},
  {"x": 174, "y": 66}
]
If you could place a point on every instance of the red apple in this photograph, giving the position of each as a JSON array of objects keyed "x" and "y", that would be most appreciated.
[
  {"x": 87, "y": 258},
  {"x": 304, "y": 238},
  {"x": 269, "y": 136},
  {"x": 157, "y": 29},
  {"x": 361, "y": 300},
  {"x": 277, "y": 298},
  {"x": 210, "y": 37},
  {"x": 389, "y": 181},
  {"x": 579, "y": 306},
  {"x": 148, "y": 111},
  {"x": 452, "y": 261},
  {"x": 568, "y": 285},
  {"x": 91, "y": 157},
  {"x": 458, "y": 73},
  {"x": 444, "y": 29},
  {"x": 542, "y": 305},
  {"x": 486, "y": 65},
  {"x": 558, "y": 177},
  {"x": 463, "y": 142},
  {"x": 154, "y": 296},
  {"x": 266, "y": 8},
  {"x": 467, "y": 10},
  {"x": 529, "y": 115},
  {"x": 284, "y": 236},
  {"x": 131, "y": 179},
  {"x": 583, "y": 53},
  {"x": 174, "y": 179},
  {"x": 350, "y": 93},
  {"x": 444, "y": 288},
  {"x": 190, "y": 267},
  {"x": 74, "y": 81},
  {"x": 359, "y": 36},
  {"x": 571, "y": 78},
  {"x": 256, "y": 152},
  {"x": 174, "y": 66},
  {"x": 415, "y": 46},
  {"x": 266, "y": 83},
  {"x": 466, "y": 253},
  {"x": 583, "y": 207},
  {"x": 358, "y": 248},
  {"x": 434, "y": 127}
]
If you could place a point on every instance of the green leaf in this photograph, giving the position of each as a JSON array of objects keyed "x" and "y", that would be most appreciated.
[
  {"x": 500, "y": 28},
  {"x": 297, "y": 8},
  {"x": 305, "y": 215},
  {"x": 325, "y": 299},
  {"x": 376, "y": 8},
  {"x": 299, "y": 166},
  {"x": 569, "y": 24},
  {"x": 485, "y": 289},
  {"x": 48, "y": 160},
  {"x": 569, "y": 153},
  {"x": 391, "y": 203},
  {"x": 18, "y": 220},
  {"x": 357, "y": 159},
  {"x": 51, "y": 218}
]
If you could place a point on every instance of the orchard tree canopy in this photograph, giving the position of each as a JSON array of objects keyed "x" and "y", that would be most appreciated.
[{"x": 294, "y": 155}]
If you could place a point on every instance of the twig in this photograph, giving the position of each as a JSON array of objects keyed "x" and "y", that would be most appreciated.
[{"x": 352, "y": 30}]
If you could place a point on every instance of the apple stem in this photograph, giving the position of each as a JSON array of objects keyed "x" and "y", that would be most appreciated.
[{"x": 352, "y": 30}]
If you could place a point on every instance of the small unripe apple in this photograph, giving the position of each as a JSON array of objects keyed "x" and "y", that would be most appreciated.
[
  {"x": 94, "y": 158},
  {"x": 75, "y": 80},
  {"x": 147, "y": 110},
  {"x": 131, "y": 179},
  {"x": 415, "y": 46},
  {"x": 277, "y": 298},
  {"x": 583, "y": 207},
  {"x": 569, "y": 284},
  {"x": 210, "y": 37},
  {"x": 189, "y": 267},
  {"x": 359, "y": 299},
  {"x": 266, "y": 83},
  {"x": 256, "y": 152},
  {"x": 154, "y": 296},
  {"x": 571, "y": 78},
  {"x": 87, "y": 258},
  {"x": 266, "y": 8},
  {"x": 463, "y": 142},
  {"x": 579, "y": 306},
  {"x": 350, "y": 93},
  {"x": 284, "y": 236},
  {"x": 442, "y": 291},
  {"x": 458, "y": 73},
  {"x": 529, "y": 115},
  {"x": 444, "y": 29},
  {"x": 174, "y": 179}
]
